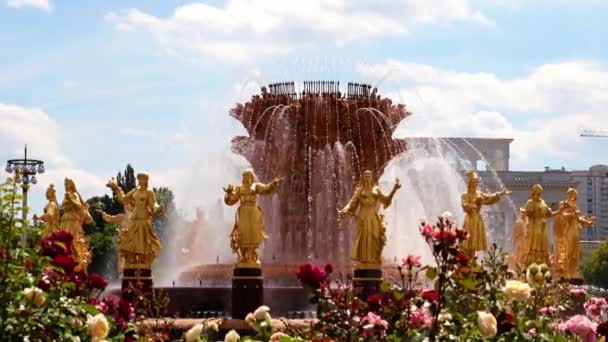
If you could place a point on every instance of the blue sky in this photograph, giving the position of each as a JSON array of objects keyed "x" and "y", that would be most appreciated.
[{"x": 93, "y": 85}]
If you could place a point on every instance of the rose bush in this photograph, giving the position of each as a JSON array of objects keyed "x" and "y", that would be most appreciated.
[
  {"x": 465, "y": 301},
  {"x": 43, "y": 297}
]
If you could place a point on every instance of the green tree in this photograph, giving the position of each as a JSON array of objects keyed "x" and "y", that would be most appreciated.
[
  {"x": 102, "y": 236},
  {"x": 595, "y": 267},
  {"x": 127, "y": 180}
]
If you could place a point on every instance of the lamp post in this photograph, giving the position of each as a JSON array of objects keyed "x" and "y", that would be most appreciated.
[{"x": 24, "y": 171}]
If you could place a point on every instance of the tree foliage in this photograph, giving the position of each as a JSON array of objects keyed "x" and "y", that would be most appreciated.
[
  {"x": 595, "y": 267},
  {"x": 126, "y": 180}
]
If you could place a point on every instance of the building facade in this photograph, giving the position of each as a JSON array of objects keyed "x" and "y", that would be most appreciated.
[{"x": 593, "y": 200}]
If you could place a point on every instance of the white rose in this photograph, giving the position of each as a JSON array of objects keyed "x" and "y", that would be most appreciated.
[
  {"x": 98, "y": 327},
  {"x": 249, "y": 318},
  {"x": 486, "y": 322},
  {"x": 232, "y": 336},
  {"x": 447, "y": 215},
  {"x": 517, "y": 290},
  {"x": 261, "y": 312},
  {"x": 194, "y": 333},
  {"x": 35, "y": 296}
]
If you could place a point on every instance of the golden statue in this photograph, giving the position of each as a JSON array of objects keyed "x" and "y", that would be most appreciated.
[
  {"x": 138, "y": 243},
  {"x": 566, "y": 229},
  {"x": 518, "y": 237},
  {"x": 371, "y": 232},
  {"x": 51, "y": 212},
  {"x": 75, "y": 214},
  {"x": 121, "y": 219},
  {"x": 537, "y": 236},
  {"x": 248, "y": 230},
  {"x": 471, "y": 202}
]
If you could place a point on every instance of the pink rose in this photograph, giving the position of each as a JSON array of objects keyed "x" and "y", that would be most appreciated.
[
  {"x": 427, "y": 230},
  {"x": 547, "y": 310},
  {"x": 412, "y": 261},
  {"x": 581, "y": 326},
  {"x": 421, "y": 318}
]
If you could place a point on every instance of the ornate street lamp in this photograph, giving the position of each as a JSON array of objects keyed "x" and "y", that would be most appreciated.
[{"x": 24, "y": 171}]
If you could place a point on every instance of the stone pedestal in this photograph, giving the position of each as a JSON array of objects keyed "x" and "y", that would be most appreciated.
[
  {"x": 367, "y": 281},
  {"x": 578, "y": 281},
  {"x": 247, "y": 291},
  {"x": 136, "y": 282}
]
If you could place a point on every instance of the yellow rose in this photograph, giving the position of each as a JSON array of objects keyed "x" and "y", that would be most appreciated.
[
  {"x": 232, "y": 336},
  {"x": 98, "y": 327},
  {"x": 213, "y": 326},
  {"x": 194, "y": 333},
  {"x": 35, "y": 296},
  {"x": 517, "y": 290},
  {"x": 486, "y": 322}
]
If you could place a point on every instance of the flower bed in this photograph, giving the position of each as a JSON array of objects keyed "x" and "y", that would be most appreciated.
[{"x": 466, "y": 302}]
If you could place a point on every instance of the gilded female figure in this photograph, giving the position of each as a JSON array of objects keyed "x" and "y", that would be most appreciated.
[
  {"x": 371, "y": 231},
  {"x": 518, "y": 237},
  {"x": 138, "y": 244},
  {"x": 75, "y": 214},
  {"x": 121, "y": 219},
  {"x": 566, "y": 229},
  {"x": 51, "y": 212},
  {"x": 537, "y": 236},
  {"x": 471, "y": 202},
  {"x": 248, "y": 231}
]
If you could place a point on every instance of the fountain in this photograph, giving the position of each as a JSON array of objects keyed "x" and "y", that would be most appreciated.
[{"x": 321, "y": 140}]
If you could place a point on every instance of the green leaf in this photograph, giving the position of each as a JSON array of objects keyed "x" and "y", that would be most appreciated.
[
  {"x": 469, "y": 283},
  {"x": 385, "y": 286},
  {"x": 91, "y": 309},
  {"x": 431, "y": 273}
]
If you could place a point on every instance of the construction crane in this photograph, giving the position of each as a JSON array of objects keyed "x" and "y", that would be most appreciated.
[{"x": 589, "y": 133}]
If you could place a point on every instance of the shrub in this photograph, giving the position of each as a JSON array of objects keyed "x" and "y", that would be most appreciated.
[{"x": 595, "y": 267}]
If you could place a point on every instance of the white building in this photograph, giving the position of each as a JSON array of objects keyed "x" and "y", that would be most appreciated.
[{"x": 593, "y": 199}]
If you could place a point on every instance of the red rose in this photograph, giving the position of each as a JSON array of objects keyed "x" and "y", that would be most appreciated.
[
  {"x": 329, "y": 268},
  {"x": 462, "y": 259},
  {"x": 430, "y": 295},
  {"x": 126, "y": 310},
  {"x": 77, "y": 277},
  {"x": 311, "y": 275},
  {"x": 44, "y": 284},
  {"x": 505, "y": 322},
  {"x": 62, "y": 236},
  {"x": 67, "y": 263},
  {"x": 602, "y": 329},
  {"x": 374, "y": 302},
  {"x": 97, "y": 282}
]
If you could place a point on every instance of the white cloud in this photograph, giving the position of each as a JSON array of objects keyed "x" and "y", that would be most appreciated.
[
  {"x": 44, "y": 5},
  {"x": 544, "y": 111},
  {"x": 43, "y": 136},
  {"x": 243, "y": 30}
]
